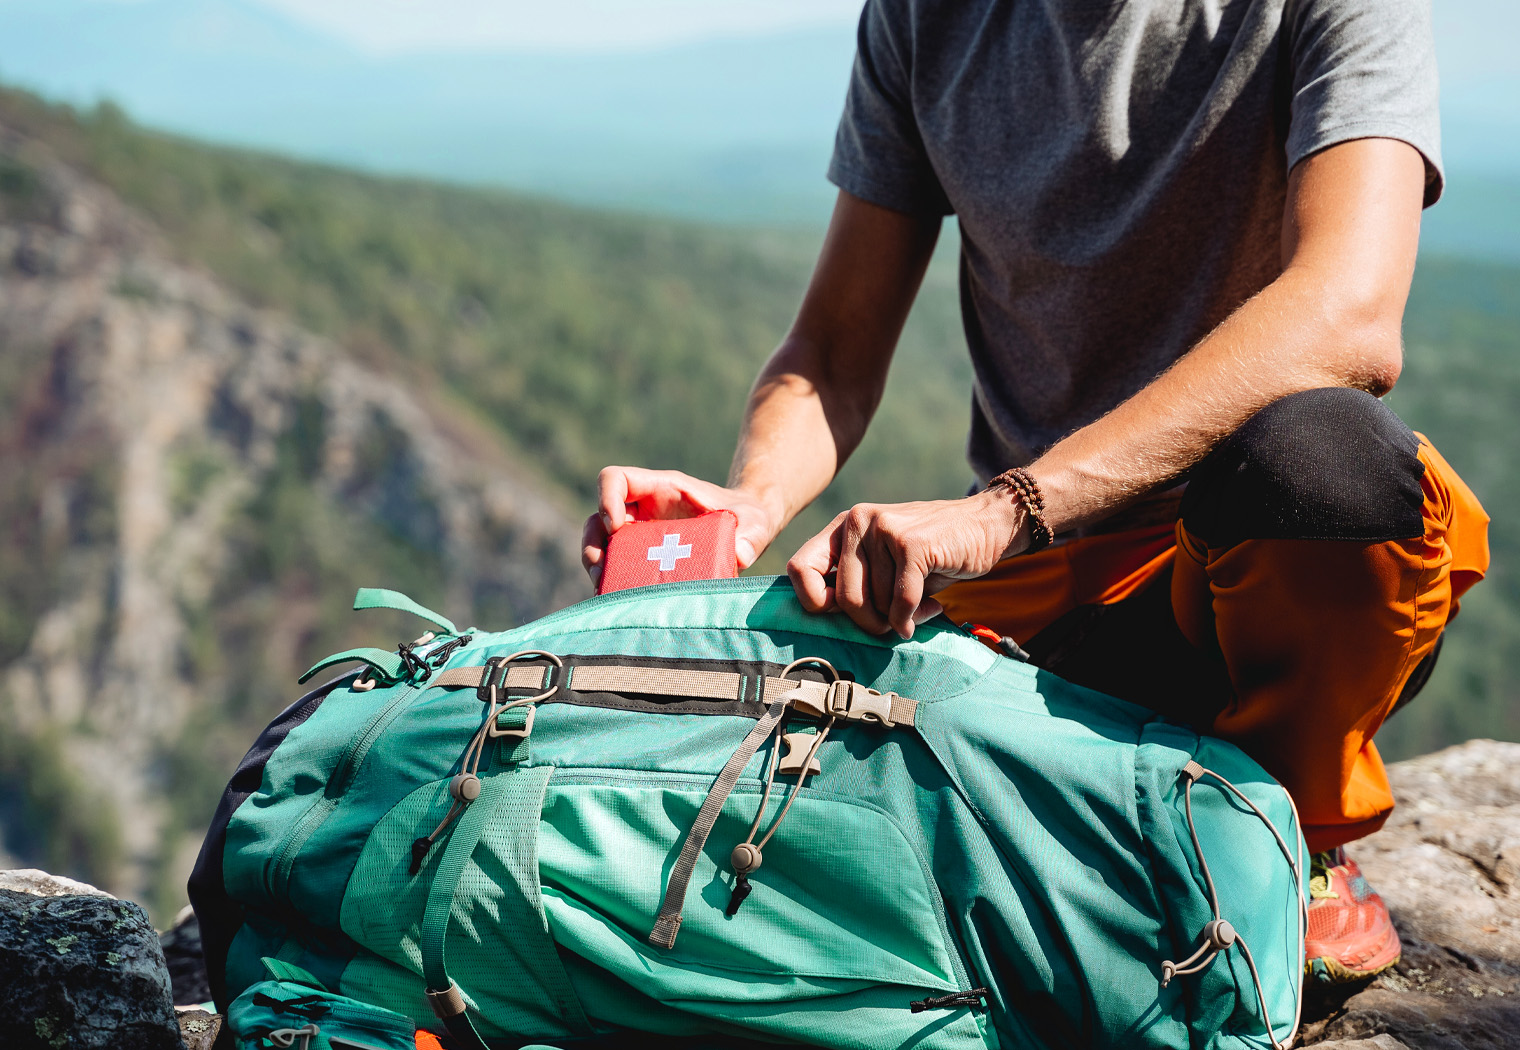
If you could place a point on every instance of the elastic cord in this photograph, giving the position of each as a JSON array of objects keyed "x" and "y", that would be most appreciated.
[
  {"x": 801, "y": 779},
  {"x": 770, "y": 780},
  {"x": 1214, "y": 943},
  {"x": 1203, "y": 864}
]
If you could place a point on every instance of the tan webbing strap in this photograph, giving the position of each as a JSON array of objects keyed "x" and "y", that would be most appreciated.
[
  {"x": 656, "y": 681},
  {"x": 847, "y": 701},
  {"x": 669, "y": 922},
  {"x": 519, "y": 676},
  {"x": 904, "y": 710},
  {"x": 447, "y": 1003}
]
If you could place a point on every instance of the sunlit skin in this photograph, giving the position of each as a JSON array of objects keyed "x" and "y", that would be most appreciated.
[{"x": 1332, "y": 317}]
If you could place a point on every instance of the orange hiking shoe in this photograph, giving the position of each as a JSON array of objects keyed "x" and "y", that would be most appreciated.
[{"x": 1351, "y": 936}]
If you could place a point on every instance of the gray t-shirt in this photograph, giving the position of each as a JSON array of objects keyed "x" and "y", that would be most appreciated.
[{"x": 1118, "y": 169}]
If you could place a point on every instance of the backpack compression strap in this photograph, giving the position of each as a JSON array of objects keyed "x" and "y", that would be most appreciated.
[
  {"x": 512, "y": 796},
  {"x": 836, "y": 700},
  {"x": 669, "y": 921},
  {"x": 847, "y": 701}
]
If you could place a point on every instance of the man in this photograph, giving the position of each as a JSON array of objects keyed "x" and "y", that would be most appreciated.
[{"x": 1188, "y": 229}]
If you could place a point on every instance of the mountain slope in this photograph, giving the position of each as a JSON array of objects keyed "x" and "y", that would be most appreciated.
[
  {"x": 584, "y": 337},
  {"x": 191, "y": 488},
  {"x": 1461, "y": 387}
]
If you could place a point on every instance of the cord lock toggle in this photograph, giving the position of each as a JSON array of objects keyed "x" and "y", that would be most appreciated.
[{"x": 465, "y": 787}]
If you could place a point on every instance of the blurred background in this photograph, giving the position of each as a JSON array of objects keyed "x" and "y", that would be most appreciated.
[{"x": 301, "y": 295}]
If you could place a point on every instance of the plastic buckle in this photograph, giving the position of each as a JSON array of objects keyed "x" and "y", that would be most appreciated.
[
  {"x": 857, "y": 703},
  {"x": 448, "y": 1003},
  {"x": 495, "y": 730},
  {"x": 837, "y": 701},
  {"x": 286, "y": 1037}
]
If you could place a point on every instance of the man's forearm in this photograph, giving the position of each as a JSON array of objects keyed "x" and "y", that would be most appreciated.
[
  {"x": 812, "y": 402},
  {"x": 1287, "y": 339},
  {"x": 1331, "y": 319},
  {"x": 800, "y": 425}
]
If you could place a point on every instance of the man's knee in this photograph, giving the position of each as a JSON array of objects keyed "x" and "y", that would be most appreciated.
[{"x": 1328, "y": 464}]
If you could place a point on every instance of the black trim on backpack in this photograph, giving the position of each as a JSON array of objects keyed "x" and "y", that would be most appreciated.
[
  {"x": 220, "y": 917},
  {"x": 750, "y": 706}
]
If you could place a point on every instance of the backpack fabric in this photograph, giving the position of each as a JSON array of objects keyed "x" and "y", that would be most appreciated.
[
  {"x": 292, "y": 1009},
  {"x": 985, "y": 856}
]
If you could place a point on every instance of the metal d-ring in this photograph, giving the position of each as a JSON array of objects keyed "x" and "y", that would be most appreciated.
[
  {"x": 803, "y": 660},
  {"x": 527, "y": 727}
]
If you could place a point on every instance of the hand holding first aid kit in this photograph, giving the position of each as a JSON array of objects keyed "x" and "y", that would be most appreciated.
[{"x": 643, "y": 553}]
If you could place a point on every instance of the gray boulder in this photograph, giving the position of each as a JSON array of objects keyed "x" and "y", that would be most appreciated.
[
  {"x": 41, "y": 884},
  {"x": 1448, "y": 865},
  {"x": 81, "y": 972},
  {"x": 187, "y": 967}
]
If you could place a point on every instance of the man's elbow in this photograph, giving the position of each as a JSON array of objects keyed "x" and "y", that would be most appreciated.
[
  {"x": 1380, "y": 361},
  {"x": 1368, "y": 330}
]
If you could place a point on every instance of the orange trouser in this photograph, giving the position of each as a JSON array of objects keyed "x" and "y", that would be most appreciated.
[{"x": 1294, "y": 649}]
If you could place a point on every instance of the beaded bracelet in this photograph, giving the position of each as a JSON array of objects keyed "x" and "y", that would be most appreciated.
[{"x": 1027, "y": 492}]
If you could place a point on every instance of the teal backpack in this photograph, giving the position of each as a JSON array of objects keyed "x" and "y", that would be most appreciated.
[{"x": 694, "y": 814}]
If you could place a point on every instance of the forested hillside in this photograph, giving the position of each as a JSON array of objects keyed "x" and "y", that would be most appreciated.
[
  {"x": 585, "y": 337},
  {"x": 502, "y": 349},
  {"x": 1461, "y": 388}
]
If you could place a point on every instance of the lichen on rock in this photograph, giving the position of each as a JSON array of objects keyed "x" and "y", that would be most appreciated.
[{"x": 81, "y": 972}]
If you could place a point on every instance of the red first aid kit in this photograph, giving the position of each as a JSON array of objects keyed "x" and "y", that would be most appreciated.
[{"x": 642, "y": 553}]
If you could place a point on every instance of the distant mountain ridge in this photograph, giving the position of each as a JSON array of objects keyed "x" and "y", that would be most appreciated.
[
  {"x": 696, "y": 128},
  {"x": 735, "y": 129}
]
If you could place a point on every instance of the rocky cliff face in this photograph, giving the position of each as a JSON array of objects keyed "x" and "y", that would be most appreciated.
[{"x": 187, "y": 488}]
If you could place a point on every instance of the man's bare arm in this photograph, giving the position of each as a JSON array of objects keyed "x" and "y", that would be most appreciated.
[
  {"x": 811, "y": 403},
  {"x": 1332, "y": 318},
  {"x": 813, "y": 399}
]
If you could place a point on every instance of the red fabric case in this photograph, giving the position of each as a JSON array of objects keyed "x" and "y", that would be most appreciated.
[{"x": 642, "y": 553}]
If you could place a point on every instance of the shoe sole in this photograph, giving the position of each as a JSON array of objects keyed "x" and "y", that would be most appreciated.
[{"x": 1326, "y": 970}]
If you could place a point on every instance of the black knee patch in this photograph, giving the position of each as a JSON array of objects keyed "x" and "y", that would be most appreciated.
[{"x": 1331, "y": 464}]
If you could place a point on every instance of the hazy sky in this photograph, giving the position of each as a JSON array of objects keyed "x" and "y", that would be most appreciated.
[{"x": 395, "y": 25}]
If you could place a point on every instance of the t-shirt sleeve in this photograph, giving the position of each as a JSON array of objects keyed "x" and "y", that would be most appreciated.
[
  {"x": 879, "y": 154},
  {"x": 1365, "y": 69}
]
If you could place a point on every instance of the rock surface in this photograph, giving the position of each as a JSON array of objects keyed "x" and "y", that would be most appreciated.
[
  {"x": 1448, "y": 864},
  {"x": 41, "y": 884},
  {"x": 199, "y": 1029},
  {"x": 187, "y": 967},
  {"x": 80, "y": 972}
]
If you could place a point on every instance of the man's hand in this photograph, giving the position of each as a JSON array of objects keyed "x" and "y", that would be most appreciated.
[
  {"x": 634, "y": 494},
  {"x": 889, "y": 559},
  {"x": 812, "y": 401}
]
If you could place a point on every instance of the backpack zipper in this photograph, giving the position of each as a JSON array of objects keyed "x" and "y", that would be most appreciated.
[{"x": 352, "y": 758}]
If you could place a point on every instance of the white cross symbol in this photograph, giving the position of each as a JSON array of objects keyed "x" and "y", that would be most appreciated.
[{"x": 669, "y": 552}]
